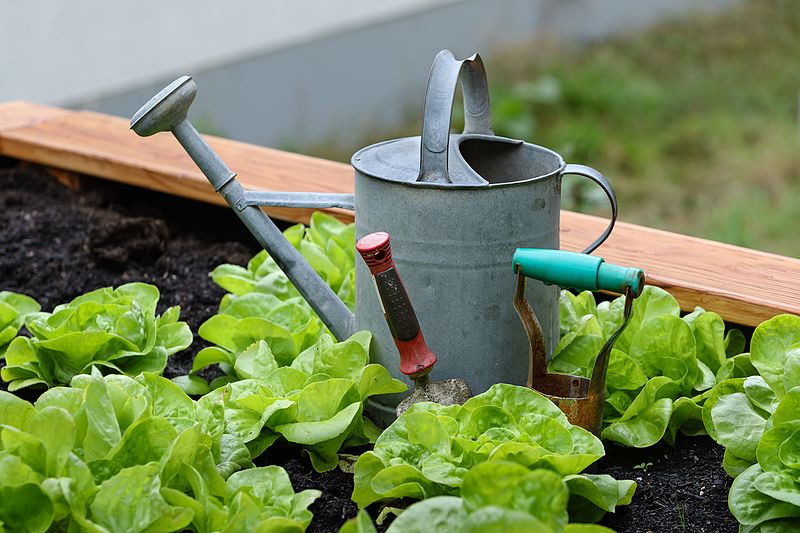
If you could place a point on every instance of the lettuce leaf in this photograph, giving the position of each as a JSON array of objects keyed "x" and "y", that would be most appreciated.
[
  {"x": 14, "y": 309},
  {"x": 115, "y": 453},
  {"x": 115, "y": 329},
  {"x": 660, "y": 366},
  {"x": 287, "y": 328},
  {"x": 262, "y": 305},
  {"x": 327, "y": 244},
  {"x": 775, "y": 353},
  {"x": 316, "y": 401},
  {"x": 430, "y": 449},
  {"x": 503, "y": 496},
  {"x": 757, "y": 420}
]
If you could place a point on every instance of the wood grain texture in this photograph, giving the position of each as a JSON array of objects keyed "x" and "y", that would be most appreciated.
[
  {"x": 744, "y": 286},
  {"x": 18, "y": 114},
  {"x": 103, "y": 145}
]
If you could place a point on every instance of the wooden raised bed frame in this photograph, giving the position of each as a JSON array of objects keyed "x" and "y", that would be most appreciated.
[{"x": 744, "y": 286}]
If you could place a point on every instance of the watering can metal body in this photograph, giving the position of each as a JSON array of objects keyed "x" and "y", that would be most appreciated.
[{"x": 456, "y": 205}]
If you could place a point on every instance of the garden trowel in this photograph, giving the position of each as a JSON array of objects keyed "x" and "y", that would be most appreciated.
[
  {"x": 581, "y": 399},
  {"x": 416, "y": 359}
]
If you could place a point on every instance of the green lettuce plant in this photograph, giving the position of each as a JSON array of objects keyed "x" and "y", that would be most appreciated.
[
  {"x": 429, "y": 450},
  {"x": 114, "y": 329},
  {"x": 316, "y": 401},
  {"x": 116, "y": 453},
  {"x": 757, "y": 420},
  {"x": 495, "y": 496},
  {"x": 661, "y": 369},
  {"x": 263, "y": 305},
  {"x": 257, "y": 499},
  {"x": 327, "y": 244},
  {"x": 286, "y": 327},
  {"x": 14, "y": 308}
]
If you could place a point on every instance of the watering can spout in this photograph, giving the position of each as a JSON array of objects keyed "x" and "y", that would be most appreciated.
[{"x": 167, "y": 111}]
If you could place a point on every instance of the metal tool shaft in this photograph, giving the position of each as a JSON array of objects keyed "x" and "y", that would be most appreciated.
[{"x": 308, "y": 200}]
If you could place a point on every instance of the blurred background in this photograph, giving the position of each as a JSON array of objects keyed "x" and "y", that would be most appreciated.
[{"x": 690, "y": 107}]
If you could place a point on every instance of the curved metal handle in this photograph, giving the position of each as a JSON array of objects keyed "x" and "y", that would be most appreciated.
[
  {"x": 445, "y": 73},
  {"x": 598, "y": 385},
  {"x": 595, "y": 176}
]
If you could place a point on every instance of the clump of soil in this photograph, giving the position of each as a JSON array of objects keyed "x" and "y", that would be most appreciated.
[
  {"x": 118, "y": 242},
  {"x": 334, "y": 507}
]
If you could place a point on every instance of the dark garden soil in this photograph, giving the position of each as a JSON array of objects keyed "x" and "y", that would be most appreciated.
[
  {"x": 57, "y": 242},
  {"x": 680, "y": 488}
]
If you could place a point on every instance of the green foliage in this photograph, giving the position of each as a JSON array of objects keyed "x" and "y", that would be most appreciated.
[
  {"x": 316, "y": 401},
  {"x": 697, "y": 110},
  {"x": 757, "y": 420},
  {"x": 14, "y": 308},
  {"x": 284, "y": 328},
  {"x": 657, "y": 367},
  {"x": 257, "y": 499},
  {"x": 361, "y": 523},
  {"x": 114, "y": 329},
  {"x": 680, "y": 116},
  {"x": 429, "y": 450},
  {"x": 327, "y": 244},
  {"x": 116, "y": 453},
  {"x": 498, "y": 496},
  {"x": 263, "y": 305},
  {"x": 285, "y": 377}
]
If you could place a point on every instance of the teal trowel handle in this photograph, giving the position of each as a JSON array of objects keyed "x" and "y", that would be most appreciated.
[{"x": 577, "y": 271}]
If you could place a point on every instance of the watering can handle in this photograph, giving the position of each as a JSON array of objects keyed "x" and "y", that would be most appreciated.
[
  {"x": 598, "y": 178},
  {"x": 445, "y": 73},
  {"x": 577, "y": 271}
]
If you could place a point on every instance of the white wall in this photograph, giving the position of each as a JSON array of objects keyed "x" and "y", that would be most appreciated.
[
  {"x": 61, "y": 51},
  {"x": 280, "y": 73}
]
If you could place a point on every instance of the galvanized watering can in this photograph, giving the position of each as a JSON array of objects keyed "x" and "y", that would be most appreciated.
[{"x": 456, "y": 205}]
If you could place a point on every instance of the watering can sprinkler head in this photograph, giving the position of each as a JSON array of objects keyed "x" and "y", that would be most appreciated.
[
  {"x": 165, "y": 110},
  {"x": 581, "y": 399}
]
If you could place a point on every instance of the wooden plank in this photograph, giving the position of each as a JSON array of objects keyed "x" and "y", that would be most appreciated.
[
  {"x": 743, "y": 286},
  {"x": 19, "y": 114},
  {"x": 102, "y": 145}
]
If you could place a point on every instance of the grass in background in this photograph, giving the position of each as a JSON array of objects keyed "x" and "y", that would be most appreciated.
[{"x": 695, "y": 121}]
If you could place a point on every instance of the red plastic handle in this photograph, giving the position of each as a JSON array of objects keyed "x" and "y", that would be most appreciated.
[
  {"x": 376, "y": 250},
  {"x": 416, "y": 359}
]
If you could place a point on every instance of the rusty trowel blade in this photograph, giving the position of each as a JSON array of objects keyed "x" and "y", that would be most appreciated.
[{"x": 445, "y": 392}]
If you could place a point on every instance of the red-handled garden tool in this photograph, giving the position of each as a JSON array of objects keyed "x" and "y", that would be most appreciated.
[
  {"x": 581, "y": 399},
  {"x": 416, "y": 359}
]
